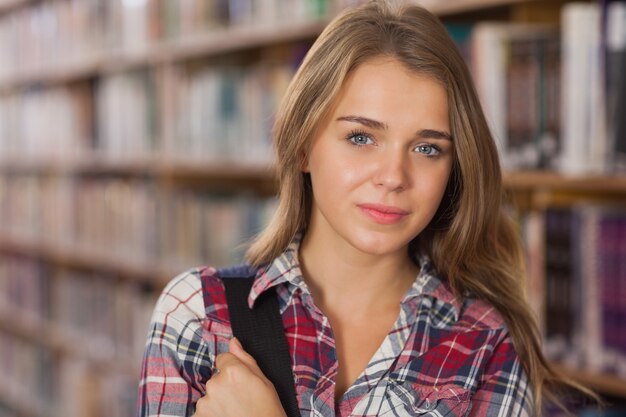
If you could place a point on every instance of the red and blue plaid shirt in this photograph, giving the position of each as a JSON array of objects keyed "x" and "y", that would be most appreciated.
[{"x": 443, "y": 357}]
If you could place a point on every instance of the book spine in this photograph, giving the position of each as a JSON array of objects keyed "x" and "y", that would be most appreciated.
[
  {"x": 559, "y": 273},
  {"x": 616, "y": 83},
  {"x": 583, "y": 120}
]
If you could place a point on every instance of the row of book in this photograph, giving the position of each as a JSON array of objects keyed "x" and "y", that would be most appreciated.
[
  {"x": 50, "y": 35},
  {"x": 36, "y": 206},
  {"x": 59, "y": 35},
  {"x": 516, "y": 68},
  {"x": 153, "y": 20},
  {"x": 120, "y": 217},
  {"x": 131, "y": 219},
  {"x": 48, "y": 386},
  {"x": 227, "y": 112},
  {"x": 102, "y": 324},
  {"x": 577, "y": 260},
  {"x": 128, "y": 111},
  {"x": 107, "y": 315},
  {"x": 594, "y": 134},
  {"x": 63, "y": 126},
  {"x": 26, "y": 368},
  {"x": 213, "y": 113},
  {"x": 212, "y": 228},
  {"x": 530, "y": 79},
  {"x": 99, "y": 318}
]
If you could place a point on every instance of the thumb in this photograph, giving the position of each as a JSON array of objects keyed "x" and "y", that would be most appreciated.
[{"x": 234, "y": 347}]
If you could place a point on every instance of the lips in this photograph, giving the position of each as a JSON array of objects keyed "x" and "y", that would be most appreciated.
[{"x": 383, "y": 214}]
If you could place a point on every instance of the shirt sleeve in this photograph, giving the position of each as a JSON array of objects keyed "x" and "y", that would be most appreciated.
[
  {"x": 504, "y": 389},
  {"x": 177, "y": 360}
]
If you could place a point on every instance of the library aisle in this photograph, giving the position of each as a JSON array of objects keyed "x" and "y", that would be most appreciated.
[{"x": 135, "y": 144}]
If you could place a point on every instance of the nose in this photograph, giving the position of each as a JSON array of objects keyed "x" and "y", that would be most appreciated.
[{"x": 392, "y": 170}]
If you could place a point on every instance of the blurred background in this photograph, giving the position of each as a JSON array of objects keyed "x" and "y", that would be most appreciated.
[{"x": 135, "y": 144}]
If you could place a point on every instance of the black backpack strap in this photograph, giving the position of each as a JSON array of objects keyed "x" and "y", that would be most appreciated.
[{"x": 261, "y": 332}]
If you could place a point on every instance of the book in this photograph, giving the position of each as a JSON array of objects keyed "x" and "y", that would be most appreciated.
[
  {"x": 128, "y": 116},
  {"x": 584, "y": 273},
  {"x": 559, "y": 278},
  {"x": 532, "y": 227},
  {"x": 514, "y": 68},
  {"x": 211, "y": 229},
  {"x": 533, "y": 102},
  {"x": 225, "y": 113},
  {"x": 63, "y": 129},
  {"x": 83, "y": 328},
  {"x": 616, "y": 83},
  {"x": 584, "y": 141}
]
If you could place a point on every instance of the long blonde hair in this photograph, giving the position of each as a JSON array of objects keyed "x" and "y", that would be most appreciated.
[{"x": 471, "y": 242}]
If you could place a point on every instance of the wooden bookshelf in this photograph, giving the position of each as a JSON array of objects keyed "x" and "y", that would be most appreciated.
[
  {"x": 9, "y": 5},
  {"x": 153, "y": 166},
  {"x": 603, "y": 383},
  {"x": 541, "y": 189},
  {"x": 194, "y": 174},
  {"x": 22, "y": 401},
  {"x": 206, "y": 45},
  {"x": 544, "y": 180},
  {"x": 225, "y": 41},
  {"x": 86, "y": 164},
  {"x": 81, "y": 258},
  {"x": 29, "y": 326},
  {"x": 210, "y": 44},
  {"x": 259, "y": 178},
  {"x": 463, "y": 6},
  {"x": 263, "y": 174}
]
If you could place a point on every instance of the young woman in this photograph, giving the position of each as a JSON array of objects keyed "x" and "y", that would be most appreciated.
[{"x": 400, "y": 280}]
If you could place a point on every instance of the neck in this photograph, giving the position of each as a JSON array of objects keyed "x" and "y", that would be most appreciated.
[{"x": 340, "y": 276}]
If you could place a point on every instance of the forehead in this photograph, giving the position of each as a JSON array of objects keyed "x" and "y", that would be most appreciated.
[
  {"x": 387, "y": 71},
  {"x": 383, "y": 87}
]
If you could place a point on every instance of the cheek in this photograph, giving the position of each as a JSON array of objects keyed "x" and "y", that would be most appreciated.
[
  {"x": 332, "y": 181},
  {"x": 333, "y": 171},
  {"x": 432, "y": 187},
  {"x": 345, "y": 175}
]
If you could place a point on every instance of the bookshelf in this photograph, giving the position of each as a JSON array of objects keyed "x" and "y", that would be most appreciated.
[
  {"x": 465, "y": 6},
  {"x": 8, "y": 5},
  {"x": 538, "y": 190},
  {"x": 535, "y": 180},
  {"x": 169, "y": 165},
  {"x": 212, "y": 44},
  {"x": 603, "y": 383}
]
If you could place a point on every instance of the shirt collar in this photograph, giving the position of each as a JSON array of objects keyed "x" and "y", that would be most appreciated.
[
  {"x": 428, "y": 283},
  {"x": 285, "y": 269}
]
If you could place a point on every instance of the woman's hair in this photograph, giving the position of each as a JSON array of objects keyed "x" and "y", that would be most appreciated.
[{"x": 471, "y": 242}]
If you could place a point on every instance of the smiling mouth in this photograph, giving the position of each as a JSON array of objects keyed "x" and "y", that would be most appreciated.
[{"x": 383, "y": 214}]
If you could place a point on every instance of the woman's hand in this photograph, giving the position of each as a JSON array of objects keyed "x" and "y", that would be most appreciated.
[{"x": 239, "y": 388}]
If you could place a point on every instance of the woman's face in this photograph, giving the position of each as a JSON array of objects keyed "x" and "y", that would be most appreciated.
[{"x": 380, "y": 162}]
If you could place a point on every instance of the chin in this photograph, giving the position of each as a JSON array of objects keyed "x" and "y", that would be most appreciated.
[{"x": 379, "y": 245}]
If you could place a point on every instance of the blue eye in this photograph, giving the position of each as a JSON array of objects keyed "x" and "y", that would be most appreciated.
[
  {"x": 428, "y": 150},
  {"x": 359, "y": 139}
]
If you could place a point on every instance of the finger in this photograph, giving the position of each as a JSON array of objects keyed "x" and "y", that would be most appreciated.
[
  {"x": 234, "y": 347},
  {"x": 225, "y": 360},
  {"x": 200, "y": 407}
]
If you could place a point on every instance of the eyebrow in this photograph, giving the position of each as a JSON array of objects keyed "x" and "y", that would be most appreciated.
[{"x": 375, "y": 124}]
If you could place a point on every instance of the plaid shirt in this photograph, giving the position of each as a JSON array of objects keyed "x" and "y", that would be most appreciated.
[{"x": 443, "y": 357}]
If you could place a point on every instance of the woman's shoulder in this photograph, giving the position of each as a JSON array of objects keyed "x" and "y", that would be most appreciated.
[
  {"x": 184, "y": 297},
  {"x": 199, "y": 293},
  {"x": 479, "y": 314}
]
